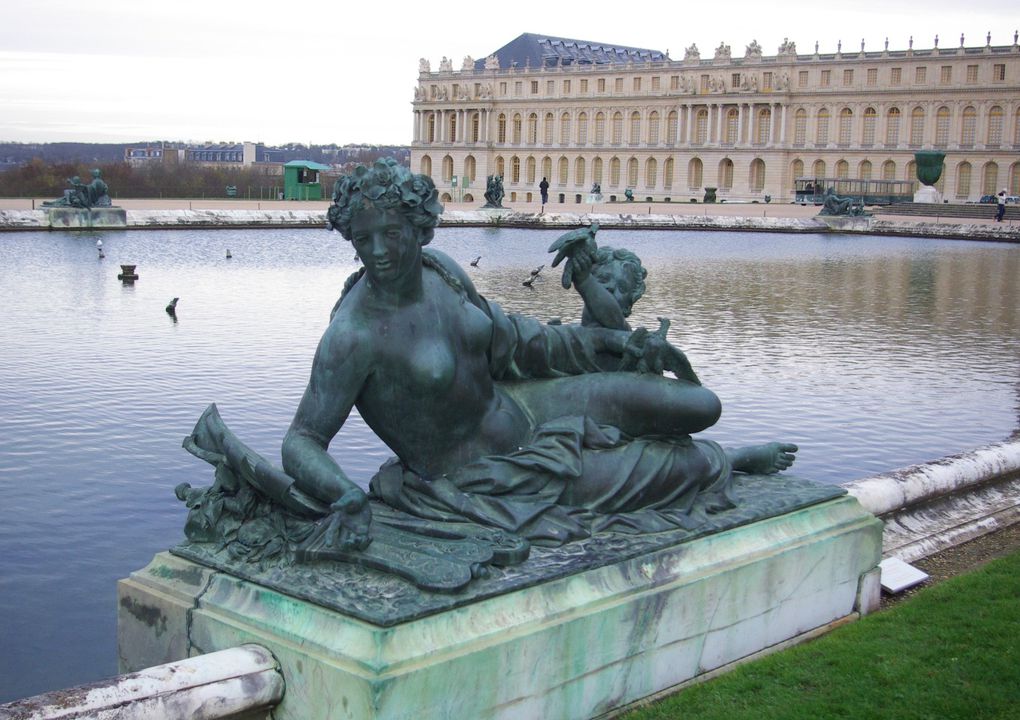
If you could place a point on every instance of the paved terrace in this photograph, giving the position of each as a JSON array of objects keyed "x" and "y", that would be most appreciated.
[{"x": 25, "y": 214}]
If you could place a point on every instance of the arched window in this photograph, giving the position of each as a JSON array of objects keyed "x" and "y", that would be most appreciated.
[
  {"x": 994, "y": 127},
  {"x": 725, "y": 180},
  {"x": 547, "y": 167},
  {"x": 426, "y": 165},
  {"x": 732, "y": 118},
  {"x": 695, "y": 169},
  {"x": 579, "y": 171},
  {"x": 632, "y": 172},
  {"x": 864, "y": 170},
  {"x": 667, "y": 173},
  {"x": 635, "y": 128},
  {"x": 651, "y": 173},
  {"x": 500, "y": 167},
  {"x": 515, "y": 169},
  {"x": 761, "y": 135},
  {"x": 564, "y": 128},
  {"x": 516, "y": 139},
  {"x": 942, "y": 127},
  {"x": 672, "y": 122},
  {"x": 476, "y": 126},
  {"x": 818, "y": 169},
  {"x": 846, "y": 120},
  {"x": 614, "y": 172},
  {"x": 617, "y": 129},
  {"x": 888, "y": 170},
  {"x": 963, "y": 172},
  {"x": 532, "y": 128},
  {"x": 1016, "y": 129},
  {"x": 1014, "y": 179},
  {"x": 529, "y": 170},
  {"x": 917, "y": 126},
  {"x": 822, "y": 127},
  {"x": 596, "y": 170},
  {"x": 800, "y": 127},
  {"x": 842, "y": 173},
  {"x": 501, "y": 128},
  {"x": 600, "y": 129},
  {"x": 430, "y": 135},
  {"x": 868, "y": 127},
  {"x": 701, "y": 127},
  {"x": 990, "y": 181},
  {"x": 796, "y": 170},
  {"x": 892, "y": 127},
  {"x": 968, "y": 127},
  {"x": 757, "y": 178},
  {"x": 582, "y": 129},
  {"x": 547, "y": 129},
  {"x": 653, "y": 128},
  {"x": 469, "y": 168},
  {"x": 564, "y": 167}
]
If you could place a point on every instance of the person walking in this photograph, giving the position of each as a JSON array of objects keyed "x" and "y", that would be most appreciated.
[
  {"x": 543, "y": 188},
  {"x": 1001, "y": 200}
]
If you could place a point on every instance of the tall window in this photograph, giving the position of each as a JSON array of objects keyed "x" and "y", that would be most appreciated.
[
  {"x": 582, "y": 129},
  {"x": 995, "y": 126},
  {"x": 1014, "y": 179},
  {"x": 895, "y": 76},
  {"x": 672, "y": 122},
  {"x": 800, "y": 127},
  {"x": 868, "y": 129},
  {"x": 617, "y": 137},
  {"x": 872, "y": 77},
  {"x": 942, "y": 127},
  {"x": 600, "y": 128},
  {"x": 826, "y": 78},
  {"x": 515, "y": 169},
  {"x": 426, "y": 165},
  {"x": 431, "y": 131},
  {"x": 842, "y": 173},
  {"x": 701, "y": 127},
  {"x": 579, "y": 171},
  {"x": 618, "y": 85},
  {"x": 732, "y": 118},
  {"x": 614, "y": 172},
  {"x": 653, "y": 128},
  {"x": 516, "y": 129},
  {"x": 761, "y": 135},
  {"x": 757, "y": 179},
  {"x": 846, "y": 117},
  {"x": 892, "y": 127},
  {"x": 469, "y": 168},
  {"x": 998, "y": 72},
  {"x": 848, "y": 77},
  {"x": 972, "y": 74},
  {"x": 802, "y": 78},
  {"x": 888, "y": 170},
  {"x": 695, "y": 169},
  {"x": 651, "y": 173},
  {"x": 564, "y": 167},
  {"x": 501, "y": 128},
  {"x": 725, "y": 174},
  {"x": 963, "y": 171},
  {"x": 822, "y": 127},
  {"x": 946, "y": 74},
  {"x": 564, "y": 128},
  {"x": 596, "y": 170},
  {"x": 917, "y": 126},
  {"x": 532, "y": 128},
  {"x": 547, "y": 167},
  {"x": 547, "y": 129},
  {"x": 864, "y": 170},
  {"x": 500, "y": 169},
  {"x": 796, "y": 169},
  {"x": 968, "y": 127},
  {"x": 1016, "y": 128},
  {"x": 818, "y": 169},
  {"x": 920, "y": 75},
  {"x": 990, "y": 182},
  {"x": 529, "y": 170},
  {"x": 476, "y": 126},
  {"x": 453, "y": 127},
  {"x": 635, "y": 128},
  {"x": 667, "y": 173},
  {"x": 632, "y": 172}
]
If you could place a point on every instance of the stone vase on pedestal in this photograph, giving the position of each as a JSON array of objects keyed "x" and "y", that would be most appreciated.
[{"x": 929, "y": 170}]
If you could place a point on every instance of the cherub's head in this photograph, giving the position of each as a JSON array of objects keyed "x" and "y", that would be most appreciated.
[{"x": 620, "y": 272}]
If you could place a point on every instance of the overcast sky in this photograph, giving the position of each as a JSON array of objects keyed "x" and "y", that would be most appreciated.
[{"x": 321, "y": 72}]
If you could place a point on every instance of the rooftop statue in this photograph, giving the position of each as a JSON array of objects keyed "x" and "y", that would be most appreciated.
[
  {"x": 79, "y": 195},
  {"x": 493, "y": 192},
  {"x": 506, "y": 431}
]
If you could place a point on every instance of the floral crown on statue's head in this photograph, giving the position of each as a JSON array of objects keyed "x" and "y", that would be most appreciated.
[{"x": 386, "y": 185}]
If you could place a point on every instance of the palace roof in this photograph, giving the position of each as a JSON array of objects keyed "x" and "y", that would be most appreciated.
[{"x": 531, "y": 50}]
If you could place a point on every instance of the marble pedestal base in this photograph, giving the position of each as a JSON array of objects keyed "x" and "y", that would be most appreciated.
[
  {"x": 927, "y": 194},
  {"x": 573, "y": 647},
  {"x": 80, "y": 218}
]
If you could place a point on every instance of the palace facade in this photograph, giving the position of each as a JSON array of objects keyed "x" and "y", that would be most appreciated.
[{"x": 580, "y": 113}]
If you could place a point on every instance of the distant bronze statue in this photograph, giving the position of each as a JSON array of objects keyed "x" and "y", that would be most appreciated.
[
  {"x": 506, "y": 430},
  {"x": 832, "y": 204},
  {"x": 493, "y": 192},
  {"x": 79, "y": 195}
]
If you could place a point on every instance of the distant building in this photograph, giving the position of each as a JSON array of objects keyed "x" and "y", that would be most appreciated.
[{"x": 748, "y": 123}]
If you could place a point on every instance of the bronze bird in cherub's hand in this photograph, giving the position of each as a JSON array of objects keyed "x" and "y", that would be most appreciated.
[{"x": 568, "y": 244}]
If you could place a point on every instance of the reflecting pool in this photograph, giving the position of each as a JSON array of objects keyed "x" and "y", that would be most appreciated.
[{"x": 869, "y": 353}]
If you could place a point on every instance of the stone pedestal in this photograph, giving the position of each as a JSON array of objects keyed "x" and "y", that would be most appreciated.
[
  {"x": 82, "y": 219},
  {"x": 574, "y": 647},
  {"x": 927, "y": 194}
]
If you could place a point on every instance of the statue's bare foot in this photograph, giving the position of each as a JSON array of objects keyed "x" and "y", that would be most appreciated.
[{"x": 763, "y": 459}]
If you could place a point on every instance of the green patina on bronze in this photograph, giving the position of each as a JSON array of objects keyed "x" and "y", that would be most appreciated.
[
  {"x": 493, "y": 192},
  {"x": 833, "y": 204},
  {"x": 79, "y": 195},
  {"x": 508, "y": 432},
  {"x": 929, "y": 165}
]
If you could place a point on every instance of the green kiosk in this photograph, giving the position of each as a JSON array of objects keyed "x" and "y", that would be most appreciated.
[{"x": 301, "y": 180}]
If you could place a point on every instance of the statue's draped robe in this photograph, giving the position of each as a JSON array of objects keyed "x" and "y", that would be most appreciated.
[{"x": 573, "y": 477}]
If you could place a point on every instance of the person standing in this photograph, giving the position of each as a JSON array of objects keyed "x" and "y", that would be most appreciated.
[
  {"x": 1001, "y": 200},
  {"x": 543, "y": 188}
]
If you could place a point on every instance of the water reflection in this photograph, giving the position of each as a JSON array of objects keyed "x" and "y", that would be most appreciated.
[{"x": 870, "y": 353}]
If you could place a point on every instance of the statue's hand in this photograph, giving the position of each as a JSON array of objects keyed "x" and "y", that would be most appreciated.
[{"x": 350, "y": 521}]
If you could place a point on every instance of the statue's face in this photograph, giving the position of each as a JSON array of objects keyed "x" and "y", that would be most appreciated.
[
  {"x": 618, "y": 282},
  {"x": 387, "y": 244}
]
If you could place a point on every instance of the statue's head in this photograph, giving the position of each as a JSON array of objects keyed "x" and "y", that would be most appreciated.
[
  {"x": 386, "y": 185},
  {"x": 620, "y": 272},
  {"x": 97, "y": 173}
]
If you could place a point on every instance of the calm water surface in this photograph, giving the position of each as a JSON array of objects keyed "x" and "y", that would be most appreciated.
[{"x": 870, "y": 353}]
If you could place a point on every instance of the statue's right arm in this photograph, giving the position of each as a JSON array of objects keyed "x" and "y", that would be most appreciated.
[{"x": 339, "y": 370}]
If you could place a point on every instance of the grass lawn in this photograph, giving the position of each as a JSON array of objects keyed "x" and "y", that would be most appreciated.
[{"x": 952, "y": 651}]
